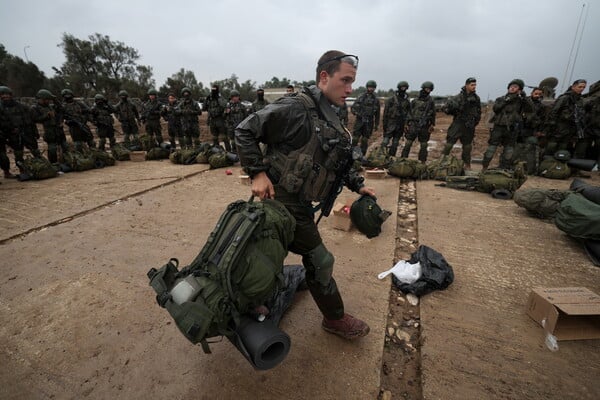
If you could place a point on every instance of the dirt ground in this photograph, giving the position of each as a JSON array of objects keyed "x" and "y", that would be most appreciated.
[{"x": 78, "y": 320}]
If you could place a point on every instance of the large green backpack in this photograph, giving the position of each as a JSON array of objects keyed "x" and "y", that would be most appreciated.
[
  {"x": 552, "y": 168},
  {"x": 494, "y": 179},
  {"x": 447, "y": 165},
  {"x": 37, "y": 168},
  {"x": 541, "y": 203},
  {"x": 184, "y": 156},
  {"x": 101, "y": 157},
  {"x": 578, "y": 217},
  {"x": 404, "y": 167},
  {"x": 148, "y": 142},
  {"x": 157, "y": 153},
  {"x": 120, "y": 152},
  {"x": 220, "y": 160},
  {"x": 378, "y": 157},
  {"x": 79, "y": 162},
  {"x": 239, "y": 267},
  {"x": 205, "y": 151}
]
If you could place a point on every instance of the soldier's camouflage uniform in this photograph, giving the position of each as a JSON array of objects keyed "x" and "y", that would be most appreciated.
[
  {"x": 258, "y": 105},
  {"x": 396, "y": 113},
  {"x": 102, "y": 117},
  {"x": 173, "y": 124},
  {"x": 420, "y": 123},
  {"x": 215, "y": 105},
  {"x": 466, "y": 110},
  {"x": 235, "y": 112},
  {"x": 527, "y": 143},
  {"x": 128, "y": 115},
  {"x": 566, "y": 125},
  {"x": 591, "y": 105},
  {"x": 19, "y": 131},
  {"x": 76, "y": 114},
  {"x": 50, "y": 115},
  {"x": 367, "y": 110},
  {"x": 188, "y": 111},
  {"x": 343, "y": 113},
  {"x": 510, "y": 111},
  {"x": 151, "y": 119}
]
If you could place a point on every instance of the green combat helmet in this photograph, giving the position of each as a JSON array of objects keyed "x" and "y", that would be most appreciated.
[
  {"x": 518, "y": 82},
  {"x": 186, "y": 89},
  {"x": 562, "y": 155},
  {"x": 372, "y": 84},
  {"x": 66, "y": 93},
  {"x": 5, "y": 90},
  {"x": 402, "y": 84},
  {"x": 123, "y": 93},
  {"x": 152, "y": 92},
  {"x": 427, "y": 85},
  {"x": 234, "y": 93},
  {"x": 99, "y": 97},
  {"x": 44, "y": 94}
]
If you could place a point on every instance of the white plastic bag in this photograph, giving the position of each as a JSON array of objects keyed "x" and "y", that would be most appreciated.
[{"x": 404, "y": 272}]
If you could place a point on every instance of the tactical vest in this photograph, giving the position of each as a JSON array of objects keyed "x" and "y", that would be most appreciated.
[
  {"x": 236, "y": 114},
  {"x": 75, "y": 110},
  {"x": 312, "y": 169},
  {"x": 215, "y": 107},
  {"x": 152, "y": 110},
  {"x": 17, "y": 115},
  {"x": 368, "y": 106},
  {"x": 126, "y": 111},
  {"x": 102, "y": 115}
]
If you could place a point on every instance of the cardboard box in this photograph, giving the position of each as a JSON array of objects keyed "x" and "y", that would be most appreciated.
[
  {"x": 138, "y": 156},
  {"x": 341, "y": 215},
  {"x": 375, "y": 173},
  {"x": 570, "y": 313},
  {"x": 245, "y": 180}
]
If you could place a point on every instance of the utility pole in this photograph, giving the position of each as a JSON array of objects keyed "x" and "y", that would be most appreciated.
[{"x": 25, "y": 52}]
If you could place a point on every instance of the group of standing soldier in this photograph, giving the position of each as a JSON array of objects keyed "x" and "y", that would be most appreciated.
[{"x": 526, "y": 128}]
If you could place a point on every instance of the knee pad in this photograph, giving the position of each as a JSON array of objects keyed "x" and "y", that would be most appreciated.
[{"x": 319, "y": 263}]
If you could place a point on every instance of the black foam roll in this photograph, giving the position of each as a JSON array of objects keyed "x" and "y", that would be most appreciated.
[{"x": 262, "y": 343}]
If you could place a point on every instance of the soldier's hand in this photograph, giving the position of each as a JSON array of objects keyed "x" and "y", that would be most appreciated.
[
  {"x": 369, "y": 191},
  {"x": 431, "y": 128},
  {"x": 262, "y": 186}
]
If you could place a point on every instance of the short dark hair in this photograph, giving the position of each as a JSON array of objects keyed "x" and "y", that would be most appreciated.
[
  {"x": 330, "y": 67},
  {"x": 470, "y": 80},
  {"x": 290, "y": 87}
]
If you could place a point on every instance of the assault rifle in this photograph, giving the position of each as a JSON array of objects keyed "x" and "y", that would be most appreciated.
[
  {"x": 578, "y": 116},
  {"x": 71, "y": 120},
  {"x": 338, "y": 185}
]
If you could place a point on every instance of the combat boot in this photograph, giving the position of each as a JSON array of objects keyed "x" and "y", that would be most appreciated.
[
  {"x": 347, "y": 327},
  {"x": 8, "y": 175}
]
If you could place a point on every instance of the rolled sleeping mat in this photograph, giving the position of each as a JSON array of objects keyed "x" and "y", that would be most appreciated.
[
  {"x": 592, "y": 248},
  {"x": 263, "y": 344},
  {"x": 502, "y": 194},
  {"x": 581, "y": 164},
  {"x": 590, "y": 192}
]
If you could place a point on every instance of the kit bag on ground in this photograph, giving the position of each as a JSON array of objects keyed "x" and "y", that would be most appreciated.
[
  {"x": 239, "y": 268},
  {"x": 496, "y": 179},
  {"x": 578, "y": 217},
  {"x": 221, "y": 158},
  {"x": 540, "y": 203},
  {"x": 157, "y": 153},
  {"x": 555, "y": 167},
  {"x": 36, "y": 168},
  {"x": 79, "y": 162},
  {"x": 101, "y": 158},
  {"x": 184, "y": 156},
  {"x": 367, "y": 216},
  {"x": 378, "y": 157},
  {"x": 147, "y": 142},
  {"x": 447, "y": 165},
  {"x": 407, "y": 168},
  {"x": 120, "y": 152},
  {"x": 204, "y": 153}
]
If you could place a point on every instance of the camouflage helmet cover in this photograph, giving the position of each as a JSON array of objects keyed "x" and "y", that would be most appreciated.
[
  {"x": 427, "y": 84},
  {"x": 371, "y": 83},
  {"x": 5, "y": 90},
  {"x": 123, "y": 93},
  {"x": 234, "y": 93},
  {"x": 518, "y": 82},
  {"x": 152, "y": 92},
  {"x": 44, "y": 94},
  {"x": 186, "y": 89},
  {"x": 99, "y": 97},
  {"x": 402, "y": 84},
  {"x": 66, "y": 93}
]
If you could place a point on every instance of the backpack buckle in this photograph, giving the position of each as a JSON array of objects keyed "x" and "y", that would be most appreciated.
[{"x": 162, "y": 298}]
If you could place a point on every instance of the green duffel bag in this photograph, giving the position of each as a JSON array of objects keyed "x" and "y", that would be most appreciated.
[
  {"x": 495, "y": 179},
  {"x": 445, "y": 166},
  {"x": 184, "y": 156},
  {"x": 157, "y": 153},
  {"x": 220, "y": 160},
  {"x": 100, "y": 157},
  {"x": 403, "y": 167},
  {"x": 378, "y": 157},
  {"x": 147, "y": 142},
  {"x": 120, "y": 152},
  {"x": 79, "y": 162},
  {"x": 552, "y": 168},
  {"x": 239, "y": 268},
  {"x": 541, "y": 203},
  {"x": 578, "y": 217},
  {"x": 36, "y": 168}
]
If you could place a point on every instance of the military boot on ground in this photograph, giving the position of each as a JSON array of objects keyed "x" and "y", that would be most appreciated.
[
  {"x": 8, "y": 175},
  {"x": 347, "y": 327}
]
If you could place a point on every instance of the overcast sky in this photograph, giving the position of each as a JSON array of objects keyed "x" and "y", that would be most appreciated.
[{"x": 442, "y": 41}]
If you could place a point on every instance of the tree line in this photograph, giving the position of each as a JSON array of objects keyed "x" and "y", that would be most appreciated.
[{"x": 101, "y": 65}]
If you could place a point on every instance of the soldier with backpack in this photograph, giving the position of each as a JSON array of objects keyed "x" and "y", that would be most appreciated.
[{"x": 295, "y": 129}]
